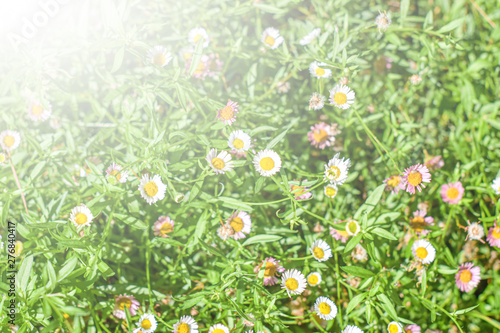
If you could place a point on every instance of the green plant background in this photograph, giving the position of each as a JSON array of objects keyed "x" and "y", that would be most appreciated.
[{"x": 112, "y": 105}]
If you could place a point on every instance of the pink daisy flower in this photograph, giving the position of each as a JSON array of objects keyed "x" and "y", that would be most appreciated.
[
  {"x": 415, "y": 176},
  {"x": 322, "y": 135},
  {"x": 163, "y": 226},
  {"x": 433, "y": 162},
  {"x": 452, "y": 193},
  {"x": 123, "y": 301},
  {"x": 341, "y": 235},
  {"x": 394, "y": 184},
  {"x": 114, "y": 171},
  {"x": 413, "y": 328},
  {"x": 241, "y": 224},
  {"x": 228, "y": 113},
  {"x": 467, "y": 277},
  {"x": 494, "y": 235},
  {"x": 272, "y": 267},
  {"x": 299, "y": 194},
  {"x": 420, "y": 221}
]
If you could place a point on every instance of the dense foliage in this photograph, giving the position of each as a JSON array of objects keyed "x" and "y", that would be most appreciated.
[{"x": 426, "y": 91}]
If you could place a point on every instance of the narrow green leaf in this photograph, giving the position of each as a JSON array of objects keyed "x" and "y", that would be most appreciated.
[
  {"x": 261, "y": 239},
  {"x": 358, "y": 271}
]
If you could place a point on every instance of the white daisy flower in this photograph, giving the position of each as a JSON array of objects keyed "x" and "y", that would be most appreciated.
[
  {"x": 293, "y": 282},
  {"x": 331, "y": 190},
  {"x": 81, "y": 216},
  {"x": 3, "y": 158},
  {"x": 321, "y": 250},
  {"x": 196, "y": 34},
  {"x": 342, "y": 96},
  {"x": 352, "y": 329},
  {"x": 475, "y": 231},
  {"x": 239, "y": 141},
  {"x": 316, "y": 69},
  {"x": 313, "y": 279},
  {"x": 218, "y": 328},
  {"x": 352, "y": 227},
  {"x": 415, "y": 79},
  {"x": 310, "y": 36},
  {"x": 325, "y": 308},
  {"x": 395, "y": 327},
  {"x": 220, "y": 163},
  {"x": 185, "y": 325},
  {"x": 337, "y": 169},
  {"x": 10, "y": 140},
  {"x": 241, "y": 223},
  {"x": 159, "y": 56},
  {"x": 152, "y": 189},
  {"x": 317, "y": 101},
  {"x": 495, "y": 185},
  {"x": 147, "y": 323},
  {"x": 38, "y": 113},
  {"x": 423, "y": 251},
  {"x": 267, "y": 162},
  {"x": 271, "y": 37},
  {"x": 383, "y": 21}
]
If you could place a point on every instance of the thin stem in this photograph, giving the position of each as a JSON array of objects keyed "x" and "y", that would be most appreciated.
[{"x": 17, "y": 182}]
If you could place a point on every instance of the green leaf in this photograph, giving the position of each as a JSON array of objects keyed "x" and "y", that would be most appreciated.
[
  {"x": 24, "y": 272},
  {"x": 452, "y": 25},
  {"x": 131, "y": 221},
  {"x": 355, "y": 301},
  {"x": 404, "y": 6},
  {"x": 261, "y": 239},
  {"x": 358, "y": 271},
  {"x": 352, "y": 243},
  {"x": 68, "y": 267},
  {"x": 388, "y": 306},
  {"x": 195, "y": 61},
  {"x": 280, "y": 136},
  {"x": 383, "y": 233},
  {"x": 463, "y": 311},
  {"x": 370, "y": 203},
  {"x": 117, "y": 63}
]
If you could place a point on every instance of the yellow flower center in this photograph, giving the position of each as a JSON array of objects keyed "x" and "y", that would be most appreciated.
[
  {"x": 318, "y": 252},
  {"x": 343, "y": 233},
  {"x": 238, "y": 143},
  {"x": 269, "y": 40},
  {"x": 18, "y": 248},
  {"x": 80, "y": 218},
  {"x": 291, "y": 284},
  {"x": 227, "y": 112},
  {"x": 151, "y": 189},
  {"x": 452, "y": 193},
  {"x": 334, "y": 172},
  {"x": 166, "y": 228},
  {"x": 352, "y": 226},
  {"x": 340, "y": 98},
  {"x": 418, "y": 223},
  {"x": 124, "y": 302},
  {"x": 496, "y": 233},
  {"x": 2, "y": 158},
  {"x": 9, "y": 140},
  {"x": 465, "y": 276},
  {"x": 146, "y": 324},
  {"x": 270, "y": 269},
  {"x": 218, "y": 163},
  {"x": 159, "y": 59},
  {"x": 183, "y": 328},
  {"x": 37, "y": 109},
  {"x": 324, "y": 308},
  {"x": 393, "y": 328},
  {"x": 197, "y": 38},
  {"x": 319, "y": 71},
  {"x": 313, "y": 279},
  {"x": 116, "y": 173},
  {"x": 298, "y": 193},
  {"x": 415, "y": 178},
  {"x": 236, "y": 223},
  {"x": 218, "y": 330},
  {"x": 422, "y": 252},
  {"x": 266, "y": 163},
  {"x": 320, "y": 135},
  {"x": 330, "y": 191},
  {"x": 200, "y": 69},
  {"x": 394, "y": 181}
]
